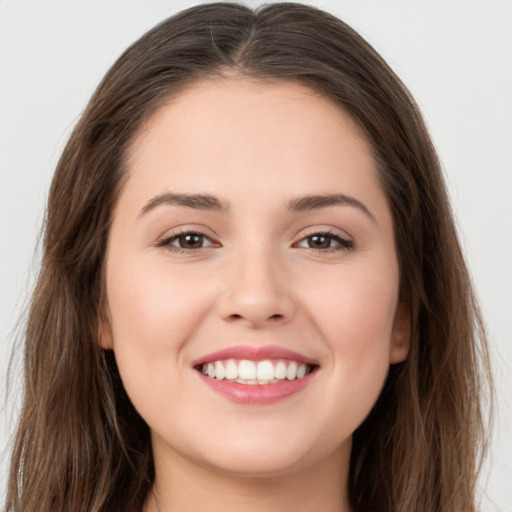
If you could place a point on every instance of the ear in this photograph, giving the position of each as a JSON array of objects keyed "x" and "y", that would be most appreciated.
[
  {"x": 105, "y": 338},
  {"x": 401, "y": 336}
]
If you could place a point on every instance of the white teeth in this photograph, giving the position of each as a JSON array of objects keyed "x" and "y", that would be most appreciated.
[
  {"x": 220, "y": 373},
  {"x": 291, "y": 371},
  {"x": 244, "y": 381},
  {"x": 265, "y": 370},
  {"x": 249, "y": 372},
  {"x": 231, "y": 370},
  {"x": 280, "y": 370}
]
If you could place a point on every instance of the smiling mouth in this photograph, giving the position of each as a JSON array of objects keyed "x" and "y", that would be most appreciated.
[{"x": 245, "y": 371}]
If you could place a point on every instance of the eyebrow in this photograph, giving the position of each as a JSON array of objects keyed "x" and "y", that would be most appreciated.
[
  {"x": 196, "y": 201},
  {"x": 315, "y": 202},
  {"x": 212, "y": 203}
]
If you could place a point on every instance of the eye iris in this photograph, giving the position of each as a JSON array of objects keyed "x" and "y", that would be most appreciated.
[
  {"x": 319, "y": 242},
  {"x": 191, "y": 241}
]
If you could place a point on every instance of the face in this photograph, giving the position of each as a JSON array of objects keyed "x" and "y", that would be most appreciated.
[{"x": 252, "y": 242}]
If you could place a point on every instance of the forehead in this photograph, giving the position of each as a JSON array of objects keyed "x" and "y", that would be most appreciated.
[
  {"x": 246, "y": 138},
  {"x": 244, "y": 102}
]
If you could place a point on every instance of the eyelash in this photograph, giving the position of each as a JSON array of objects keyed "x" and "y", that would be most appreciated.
[
  {"x": 343, "y": 243},
  {"x": 166, "y": 242}
]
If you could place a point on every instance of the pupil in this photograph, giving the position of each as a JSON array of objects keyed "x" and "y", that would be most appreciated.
[
  {"x": 319, "y": 242},
  {"x": 191, "y": 241}
]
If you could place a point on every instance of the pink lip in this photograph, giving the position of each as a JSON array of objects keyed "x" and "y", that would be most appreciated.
[
  {"x": 257, "y": 393},
  {"x": 254, "y": 354}
]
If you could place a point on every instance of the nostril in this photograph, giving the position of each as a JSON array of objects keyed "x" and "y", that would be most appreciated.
[{"x": 276, "y": 317}]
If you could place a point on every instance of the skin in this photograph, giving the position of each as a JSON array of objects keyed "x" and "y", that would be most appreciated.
[{"x": 256, "y": 281}]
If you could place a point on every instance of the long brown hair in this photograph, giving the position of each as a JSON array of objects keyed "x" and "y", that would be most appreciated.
[{"x": 80, "y": 444}]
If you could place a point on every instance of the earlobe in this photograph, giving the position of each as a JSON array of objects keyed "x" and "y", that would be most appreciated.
[
  {"x": 401, "y": 336},
  {"x": 105, "y": 339}
]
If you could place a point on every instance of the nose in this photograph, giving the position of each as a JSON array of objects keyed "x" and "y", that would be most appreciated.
[{"x": 256, "y": 292}]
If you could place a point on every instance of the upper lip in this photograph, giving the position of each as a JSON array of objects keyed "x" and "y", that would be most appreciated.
[{"x": 254, "y": 354}]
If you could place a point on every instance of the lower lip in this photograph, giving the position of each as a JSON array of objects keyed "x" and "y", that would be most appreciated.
[{"x": 257, "y": 393}]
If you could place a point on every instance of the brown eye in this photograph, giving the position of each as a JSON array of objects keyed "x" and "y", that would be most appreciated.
[
  {"x": 326, "y": 242},
  {"x": 191, "y": 241},
  {"x": 319, "y": 241}
]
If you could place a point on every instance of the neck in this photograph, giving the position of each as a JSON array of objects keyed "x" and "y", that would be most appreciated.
[{"x": 182, "y": 486}]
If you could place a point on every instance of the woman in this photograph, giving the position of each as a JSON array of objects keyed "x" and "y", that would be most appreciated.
[{"x": 251, "y": 286}]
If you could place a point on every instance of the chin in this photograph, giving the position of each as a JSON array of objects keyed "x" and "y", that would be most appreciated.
[
  {"x": 259, "y": 454},
  {"x": 256, "y": 464}
]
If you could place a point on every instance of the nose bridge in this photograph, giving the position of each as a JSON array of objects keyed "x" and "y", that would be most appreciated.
[{"x": 257, "y": 289}]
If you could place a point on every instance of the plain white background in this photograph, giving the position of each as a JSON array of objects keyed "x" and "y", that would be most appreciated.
[{"x": 455, "y": 57}]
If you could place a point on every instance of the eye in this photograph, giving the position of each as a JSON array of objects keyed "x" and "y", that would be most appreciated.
[
  {"x": 326, "y": 242},
  {"x": 186, "y": 242}
]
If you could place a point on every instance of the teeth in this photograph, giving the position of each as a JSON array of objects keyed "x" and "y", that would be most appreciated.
[
  {"x": 280, "y": 370},
  {"x": 291, "y": 371},
  {"x": 247, "y": 370},
  {"x": 231, "y": 370},
  {"x": 263, "y": 372},
  {"x": 220, "y": 373}
]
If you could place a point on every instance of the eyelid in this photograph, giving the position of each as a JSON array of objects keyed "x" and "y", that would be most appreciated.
[
  {"x": 344, "y": 242},
  {"x": 172, "y": 235}
]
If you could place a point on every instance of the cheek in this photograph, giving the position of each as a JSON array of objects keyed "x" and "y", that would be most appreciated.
[
  {"x": 152, "y": 308},
  {"x": 355, "y": 313},
  {"x": 349, "y": 310},
  {"x": 152, "y": 315}
]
